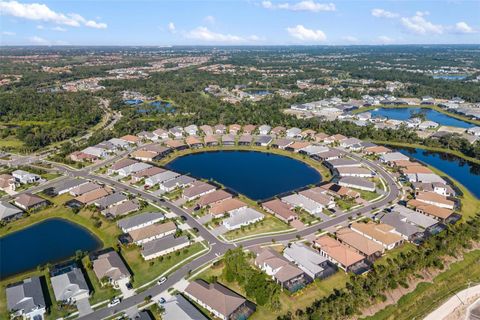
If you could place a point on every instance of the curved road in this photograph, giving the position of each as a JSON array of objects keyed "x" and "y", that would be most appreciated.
[{"x": 218, "y": 247}]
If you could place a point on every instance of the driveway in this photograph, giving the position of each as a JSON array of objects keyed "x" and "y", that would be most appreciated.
[
  {"x": 204, "y": 219},
  {"x": 219, "y": 230},
  {"x": 83, "y": 306},
  {"x": 122, "y": 283}
]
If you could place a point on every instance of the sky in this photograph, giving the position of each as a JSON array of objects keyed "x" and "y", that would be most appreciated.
[{"x": 239, "y": 22}]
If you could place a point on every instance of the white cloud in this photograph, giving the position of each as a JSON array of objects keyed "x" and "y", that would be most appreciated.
[
  {"x": 205, "y": 34},
  {"x": 38, "y": 41},
  {"x": 304, "y": 34},
  {"x": 8, "y": 33},
  {"x": 40, "y": 27},
  {"x": 306, "y": 5},
  {"x": 59, "y": 29},
  {"x": 41, "y": 12},
  {"x": 463, "y": 27},
  {"x": 385, "y": 40},
  {"x": 351, "y": 39},
  {"x": 419, "y": 25},
  {"x": 209, "y": 19},
  {"x": 381, "y": 13},
  {"x": 171, "y": 27}
]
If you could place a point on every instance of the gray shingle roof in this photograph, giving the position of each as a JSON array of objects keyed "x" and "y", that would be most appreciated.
[
  {"x": 162, "y": 244},
  {"x": 7, "y": 210},
  {"x": 26, "y": 295},
  {"x": 139, "y": 219}
]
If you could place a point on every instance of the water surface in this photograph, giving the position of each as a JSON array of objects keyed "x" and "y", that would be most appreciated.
[
  {"x": 433, "y": 115},
  {"x": 50, "y": 241},
  {"x": 465, "y": 172},
  {"x": 257, "y": 175}
]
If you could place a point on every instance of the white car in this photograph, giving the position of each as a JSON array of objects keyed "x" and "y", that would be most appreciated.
[
  {"x": 162, "y": 280},
  {"x": 114, "y": 302}
]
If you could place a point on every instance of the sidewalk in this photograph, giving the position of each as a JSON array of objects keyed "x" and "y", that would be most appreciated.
[{"x": 454, "y": 302}]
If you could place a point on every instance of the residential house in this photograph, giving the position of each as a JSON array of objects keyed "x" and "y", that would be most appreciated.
[
  {"x": 90, "y": 197},
  {"x": 228, "y": 140},
  {"x": 278, "y": 131},
  {"x": 435, "y": 199},
  {"x": 281, "y": 210},
  {"x": 131, "y": 139},
  {"x": 282, "y": 143},
  {"x": 357, "y": 183},
  {"x": 331, "y": 154},
  {"x": 96, "y": 152},
  {"x": 242, "y": 217},
  {"x": 312, "y": 150},
  {"x": 79, "y": 156},
  {"x": 414, "y": 217},
  {"x": 211, "y": 198},
  {"x": 379, "y": 150},
  {"x": 160, "y": 247},
  {"x": 297, "y": 146},
  {"x": 151, "y": 232},
  {"x": 378, "y": 232},
  {"x": 285, "y": 273},
  {"x": 339, "y": 191},
  {"x": 161, "y": 178},
  {"x": 198, "y": 189},
  {"x": 211, "y": 140},
  {"x": 28, "y": 201},
  {"x": 7, "y": 183},
  {"x": 234, "y": 129},
  {"x": 263, "y": 140},
  {"x": 114, "y": 168},
  {"x": 9, "y": 212},
  {"x": 308, "y": 134},
  {"x": 342, "y": 256},
  {"x": 110, "y": 265},
  {"x": 264, "y": 129},
  {"x": 161, "y": 134},
  {"x": 191, "y": 130},
  {"x": 389, "y": 158},
  {"x": 207, "y": 130},
  {"x": 407, "y": 230},
  {"x": 25, "y": 177},
  {"x": 370, "y": 249},
  {"x": 25, "y": 299},
  {"x": 176, "y": 132},
  {"x": 222, "y": 302},
  {"x": 342, "y": 163},
  {"x": 133, "y": 168},
  {"x": 69, "y": 285},
  {"x": 430, "y": 210},
  {"x": 147, "y": 173},
  {"x": 193, "y": 142},
  {"x": 110, "y": 200},
  {"x": 119, "y": 143},
  {"x": 84, "y": 188},
  {"x": 310, "y": 261},
  {"x": 176, "y": 144},
  {"x": 178, "y": 182},
  {"x": 319, "y": 195},
  {"x": 294, "y": 133},
  {"x": 300, "y": 201},
  {"x": 221, "y": 129},
  {"x": 122, "y": 209},
  {"x": 66, "y": 186},
  {"x": 179, "y": 307},
  {"x": 221, "y": 208},
  {"x": 249, "y": 129},
  {"x": 245, "y": 140},
  {"x": 145, "y": 155},
  {"x": 354, "y": 172},
  {"x": 140, "y": 221}
]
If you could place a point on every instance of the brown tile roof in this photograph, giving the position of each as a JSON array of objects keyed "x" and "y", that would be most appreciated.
[
  {"x": 191, "y": 140},
  {"x": 416, "y": 169},
  {"x": 338, "y": 137},
  {"x": 175, "y": 143},
  {"x": 377, "y": 149},
  {"x": 299, "y": 145},
  {"x": 337, "y": 251},
  {"x": 430, "y": 209},
  {"x": 122, "y": 164},
  {"x": 226, "y": 205},
  {"x": 6, "y": 180},
  {"x": 378, "y": 231},
  {"x": 211, "y": 138},
  {"x": 434, "y": 197},
  {"x": 234, "y": 127},
  {"x": 280, "y": 208},
  {"x": 316, "y": 196},
  {"x": 278, "y": 130},
  {"x": 321, "y": 136},
  {"x": 308, "y": 132},
  {"x": 131, "y": 138},
  {"x": 405, "y": 163},
  {"x": 152, "y": 230},
  {"x": 216, "y": 296},
  {"x": 144, "y": 154},
  {"x": 93, "y": 195},
  {"x": 271, "y": 258},
  {"x": 198, "y": 187},
  {"x": 28, "y": 200},
  {"x": 148, "y": 172},
  {"x": 249, "y": 128},
  {"x": 358, "y": 242},
  {"x": 213, "y": 197}
]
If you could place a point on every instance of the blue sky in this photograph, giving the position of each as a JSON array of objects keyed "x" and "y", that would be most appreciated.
[{"x": 235, "y": 22}]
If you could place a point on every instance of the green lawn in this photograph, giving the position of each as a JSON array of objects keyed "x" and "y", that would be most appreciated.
[
  {"x": 427, "y": 296},
  {"x": 289, "y": 302},
  {"x": 145, "y": 271},
  {"x": 10, "y": 143},
  {"x": 367, "y": 195},
  {"x": 269, "y": 224}
]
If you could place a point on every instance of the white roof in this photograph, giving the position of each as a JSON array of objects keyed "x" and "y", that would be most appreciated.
[
  {"x": 307, "y": 259},
  {"x": 393, "y": 156},
  {"x": 303, "y": 202},
  {"x": 242, "y": 216},
  {"x": 414, "y": 217},
  {"x": 312, "y": 149}
]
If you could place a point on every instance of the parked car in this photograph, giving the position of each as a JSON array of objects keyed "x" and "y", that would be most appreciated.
[
  {"x": 162, "y": 300},
  {"x": 114, "y": 302},
  {"x": 162, "y": 280}
]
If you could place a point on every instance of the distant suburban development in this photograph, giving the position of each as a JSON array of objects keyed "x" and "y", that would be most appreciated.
[{"x": 242, "y": 191}]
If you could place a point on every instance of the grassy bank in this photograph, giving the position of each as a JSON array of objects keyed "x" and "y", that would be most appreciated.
[
  {"x": 432, "y": 107},
  {"x": 427, "y": 296}
]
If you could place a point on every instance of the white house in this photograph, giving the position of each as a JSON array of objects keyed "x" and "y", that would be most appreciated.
[
  {"x": 293, "y": 133},
  {"x": 242, "y": 217}
]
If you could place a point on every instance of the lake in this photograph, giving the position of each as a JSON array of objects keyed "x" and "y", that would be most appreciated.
[
  {"x": 50, "y": 241},
  {"x": 433, "y": 115},
  {"x": 465, "y": 172},
  {"x": 257, "y": 175},
  {"x": 451, "y": 77}
]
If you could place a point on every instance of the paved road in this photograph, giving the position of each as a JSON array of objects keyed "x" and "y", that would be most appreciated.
[{"x": 217, "y": 246}]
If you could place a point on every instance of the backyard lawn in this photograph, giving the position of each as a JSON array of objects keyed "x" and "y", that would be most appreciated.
[{"x": 269, "y": 224}]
